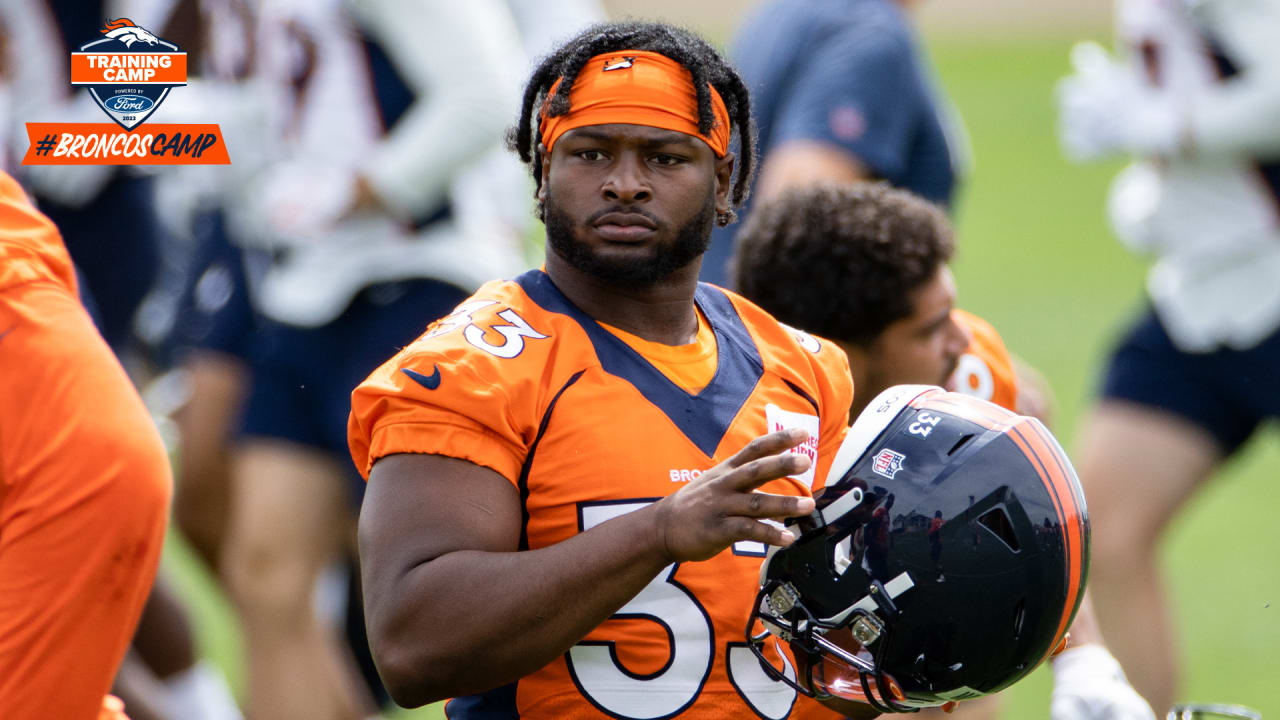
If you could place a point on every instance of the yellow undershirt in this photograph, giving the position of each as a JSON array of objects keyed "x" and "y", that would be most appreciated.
[{"x": 691, "y": 366}]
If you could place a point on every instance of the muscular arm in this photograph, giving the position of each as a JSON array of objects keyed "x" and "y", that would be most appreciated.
[
  {"x": 797, "y": 163},
  {"x": 453, "y": 609}
]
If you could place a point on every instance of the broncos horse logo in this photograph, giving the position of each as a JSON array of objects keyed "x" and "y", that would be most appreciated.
[{"x": 126, "y": 32}]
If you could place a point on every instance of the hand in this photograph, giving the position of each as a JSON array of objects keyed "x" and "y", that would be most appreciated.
[
  {"x": 1105, "y": 108},
  {"x": 720, "y": 508},
  {"x": 1088, "y": 684}
]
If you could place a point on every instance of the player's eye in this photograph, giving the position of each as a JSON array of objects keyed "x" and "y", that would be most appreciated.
[
  {"x": 666, "y": 160},
  {"x": 590, "y": 155}
]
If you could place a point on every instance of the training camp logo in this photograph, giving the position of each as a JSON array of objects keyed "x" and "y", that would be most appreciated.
[{"x": 128, "y": 71}]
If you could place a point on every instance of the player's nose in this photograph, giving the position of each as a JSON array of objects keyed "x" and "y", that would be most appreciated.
[{"x": 626, "y": 182}]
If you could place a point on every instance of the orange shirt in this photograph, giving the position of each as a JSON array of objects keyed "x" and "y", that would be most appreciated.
[
  {"x": 521, "y": 381},
  {"x": 985, "y": 370},
  {"x": 84, "y": 484}
]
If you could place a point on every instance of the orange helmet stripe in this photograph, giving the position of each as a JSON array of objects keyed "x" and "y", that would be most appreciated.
[
  {"x": 980, "y": 412},
  {"x": 1056, "y": 473}
]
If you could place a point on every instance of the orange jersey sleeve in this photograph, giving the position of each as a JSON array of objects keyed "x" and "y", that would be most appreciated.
[
  {"x": 84, "y": 484},
  {"x": 985, "y": 370},
  {"x": 519, "y": 380}
]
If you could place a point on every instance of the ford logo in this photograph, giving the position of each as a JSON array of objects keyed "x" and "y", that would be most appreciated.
[{"x": 128, "y": 103}]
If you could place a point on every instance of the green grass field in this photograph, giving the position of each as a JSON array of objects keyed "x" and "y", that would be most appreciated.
[{"x": 1037, "y": 261}]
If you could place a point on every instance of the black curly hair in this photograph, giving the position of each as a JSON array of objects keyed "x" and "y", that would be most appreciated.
[
  {"x": 841, "y": 260},
  {"x": 702, "y": 60}
]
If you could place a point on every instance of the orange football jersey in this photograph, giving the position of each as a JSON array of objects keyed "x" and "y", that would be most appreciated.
[
  {"x": 985, "y": 370},
  {"x": 519, "y": 380}
]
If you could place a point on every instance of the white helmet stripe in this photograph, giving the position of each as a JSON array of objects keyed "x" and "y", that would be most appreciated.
[
  {"x": 874, "y": 419},
  {"x": 894, "y": 587}
]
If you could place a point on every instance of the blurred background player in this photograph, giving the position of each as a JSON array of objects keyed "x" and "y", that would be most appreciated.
[
  {"x": 866, "y": 265},
  {"x": 1194, "y": 94},
  {"x": 842, "y": 90},
  {"x": 84, "y": 484}
]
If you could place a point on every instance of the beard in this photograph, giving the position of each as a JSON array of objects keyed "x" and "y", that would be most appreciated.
[{"x": 633, "y": 273}]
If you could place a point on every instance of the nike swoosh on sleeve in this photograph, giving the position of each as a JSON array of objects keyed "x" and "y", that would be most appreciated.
[{"x": 430, "y": 382}]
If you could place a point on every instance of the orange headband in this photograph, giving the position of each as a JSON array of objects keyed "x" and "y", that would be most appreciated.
[{"x": 635, "y": 87}]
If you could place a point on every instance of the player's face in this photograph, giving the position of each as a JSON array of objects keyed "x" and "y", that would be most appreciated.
[
  {"x": 923, "y": 347},
  {"x": 631, "y": 204}
]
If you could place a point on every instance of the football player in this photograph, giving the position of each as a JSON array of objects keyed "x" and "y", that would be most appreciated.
[
  {"x": 1193, "y": 96},
  {"x": 866, "y": 265},
  {"x": 84, "y": 484},
  {"x": 561, "y": 518},
  {"x": 374, "y": 112}
]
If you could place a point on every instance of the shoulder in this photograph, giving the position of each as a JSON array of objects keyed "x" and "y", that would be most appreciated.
[
  {"x": 30, "y": 246},
  {"x": 473, "y": 386},
  {"x": 499, "y": 334}
]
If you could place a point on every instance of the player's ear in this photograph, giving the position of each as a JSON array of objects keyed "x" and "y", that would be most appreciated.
[{"x": 724, "y": 182}]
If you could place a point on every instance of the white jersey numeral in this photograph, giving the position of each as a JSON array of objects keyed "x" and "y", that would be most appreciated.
[
  {"x": 626, "y": 694},
  {"x": 513, "y": 335}
]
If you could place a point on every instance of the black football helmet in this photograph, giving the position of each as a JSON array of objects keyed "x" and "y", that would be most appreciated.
[{"x": 945, "y": 559}]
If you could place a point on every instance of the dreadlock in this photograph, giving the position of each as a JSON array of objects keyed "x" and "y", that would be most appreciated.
[{"x": 699, "y": 58}]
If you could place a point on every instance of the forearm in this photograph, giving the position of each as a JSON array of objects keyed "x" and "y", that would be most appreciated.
[
  {"x": 469, "y": 620},
  {"x": 459, "y": 65}
]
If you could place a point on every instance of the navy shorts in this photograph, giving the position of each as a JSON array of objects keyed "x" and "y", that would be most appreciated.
[
  {"x": 303, "y": 377},
  {"x": 214, "y": 312},
  {"x": 1226, "y": 392}
]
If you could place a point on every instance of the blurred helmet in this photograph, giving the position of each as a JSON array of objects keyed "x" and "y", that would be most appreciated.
[{"x": 945, "y": 559}]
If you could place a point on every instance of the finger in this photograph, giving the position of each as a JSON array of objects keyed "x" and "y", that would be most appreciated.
[
  {"x": 741, "y": 528},
  {"x": 758, "y": 472},
  {"x": 767, "y": 505},
  {"x": 770, "y": 444}
]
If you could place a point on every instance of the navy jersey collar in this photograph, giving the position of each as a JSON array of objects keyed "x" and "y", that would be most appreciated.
[{"x": 703, "y": 417}]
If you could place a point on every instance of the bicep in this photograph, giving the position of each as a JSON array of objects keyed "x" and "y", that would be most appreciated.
[
  {"x": 797, "y": 163},
  {"x": 419, "y": 507}
]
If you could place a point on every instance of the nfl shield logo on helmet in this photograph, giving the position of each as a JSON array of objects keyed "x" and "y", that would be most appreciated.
[
  {"x": 888, "y": 463},
  {"x": 128, "y": 71}
]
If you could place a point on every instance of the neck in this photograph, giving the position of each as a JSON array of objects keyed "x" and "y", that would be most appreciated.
[
  {"x": 858, "y": 370},
  {"x": 662, "y": 313}
]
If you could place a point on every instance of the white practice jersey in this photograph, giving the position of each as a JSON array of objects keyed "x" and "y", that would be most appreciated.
[
  {"x": 405, "y": 94},
  {"x": 1211, "y": 215}
]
